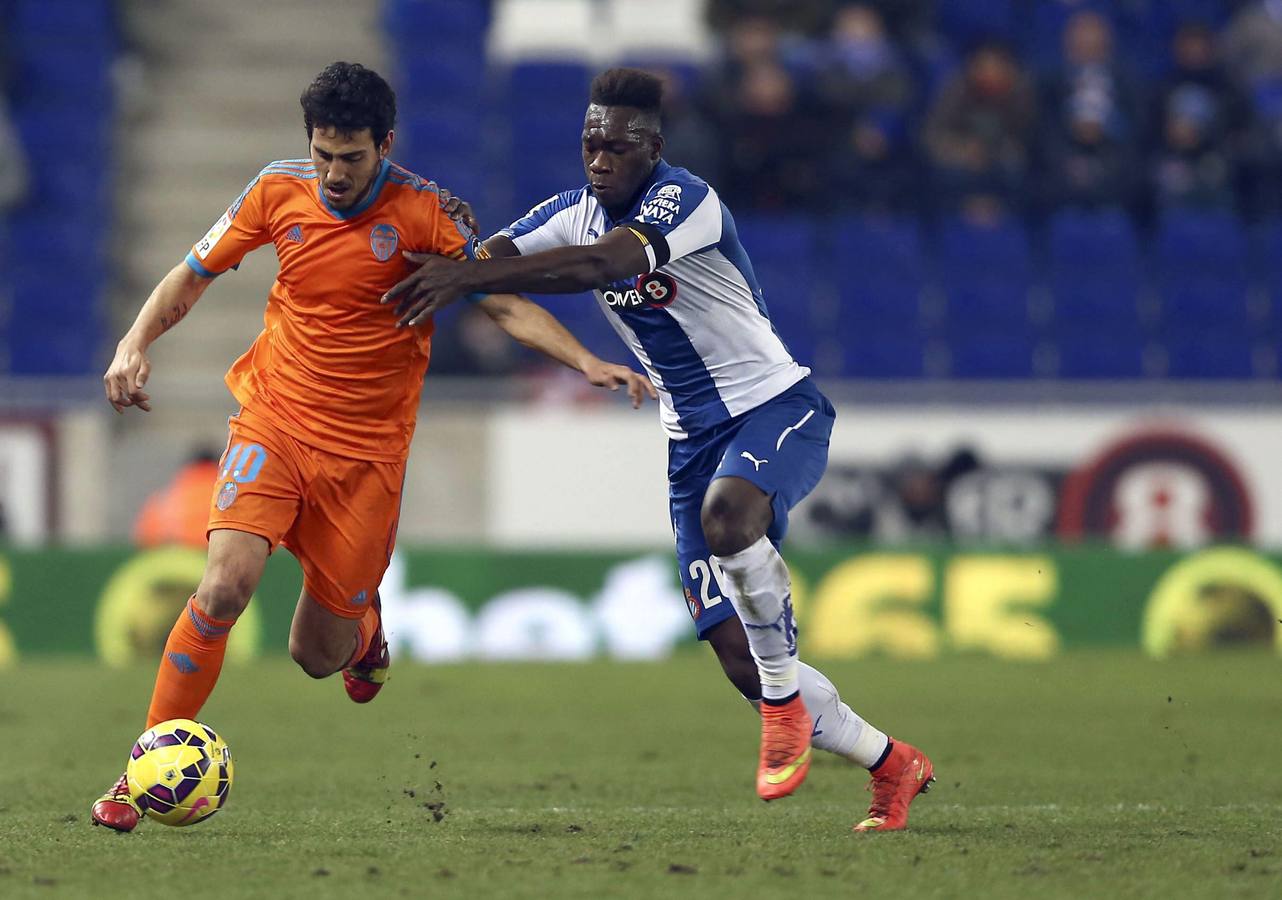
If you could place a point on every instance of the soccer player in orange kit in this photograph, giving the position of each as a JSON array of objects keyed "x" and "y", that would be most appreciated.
[{"x": 329, "y": 393}]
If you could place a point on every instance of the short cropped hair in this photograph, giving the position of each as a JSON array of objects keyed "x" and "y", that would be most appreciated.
[
  {"x": 349, "y": 97},
  {"x": 628, "y": 87}
]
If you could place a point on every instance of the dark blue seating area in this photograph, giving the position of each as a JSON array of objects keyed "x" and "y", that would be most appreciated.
[
  {"x": 60, "y": 99},
  {"x": 1084, "y": 296}
]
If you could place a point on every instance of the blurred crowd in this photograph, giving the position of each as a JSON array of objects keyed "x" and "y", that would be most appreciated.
[{"x": 911, "y": 106}]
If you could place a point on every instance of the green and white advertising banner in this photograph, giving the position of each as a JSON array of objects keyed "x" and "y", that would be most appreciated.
[{"x": 444, "y": 605}]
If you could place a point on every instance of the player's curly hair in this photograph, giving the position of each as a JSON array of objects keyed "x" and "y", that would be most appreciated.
[
  {"x": 627, "y": 87},
  {"x": 349, "y": 97}
]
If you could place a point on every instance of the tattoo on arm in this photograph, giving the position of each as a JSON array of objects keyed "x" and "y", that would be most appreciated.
[{"x": 175, "y": 315}]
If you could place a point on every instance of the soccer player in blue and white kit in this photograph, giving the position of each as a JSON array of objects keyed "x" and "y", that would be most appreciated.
[{"x": 748, "y": 429}]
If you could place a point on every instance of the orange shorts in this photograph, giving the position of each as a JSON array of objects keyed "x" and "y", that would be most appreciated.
[{"x": 336, "y": 514}]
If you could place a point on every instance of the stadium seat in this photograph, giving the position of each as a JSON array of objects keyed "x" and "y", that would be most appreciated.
[
  {"x": 446, "y": 84},
  {"x": 537, "y": 177},
  {"x": 883, "y": 355},
  {"x": 1201, "y": 262},
  {"x": 993, "y": 354},
  {"x": 781, "y": 251},
  {"x": 1212, "y": 355},
  {"x": 446, "y": 21},
  {"x": 55, "y": 332},
  {"x": 59, "y": 72},
  {"x": 656, "y": 30},
  {"x": 544, "y": 104},
  {"x": 462, "y": 131},
  {"x": 968, "y": 21},
  {"x": 1094, "y": 270},
  {"x": 69, "y": 21},
  {"x": 1267, "y": 260},
  {"x": 1193, "y": 242},
  {"x": 545, "y": 30},
  {"x": 986, "y": 273},
  {"x": 786, "y": 239},
  {"x": 63, "y": 134},
  {"x": 1097, "y": 354},
  {"x": 879, "y": 269}
]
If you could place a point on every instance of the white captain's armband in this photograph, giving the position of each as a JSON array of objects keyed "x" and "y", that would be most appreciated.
[{"x": 214, "y": 235}]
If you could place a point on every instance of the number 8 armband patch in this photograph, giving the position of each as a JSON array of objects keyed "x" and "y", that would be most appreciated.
[{"x": 657, "y": 290}]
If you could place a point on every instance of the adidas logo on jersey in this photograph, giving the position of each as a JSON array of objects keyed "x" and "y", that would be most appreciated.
[{"x": 295, "y": 234}]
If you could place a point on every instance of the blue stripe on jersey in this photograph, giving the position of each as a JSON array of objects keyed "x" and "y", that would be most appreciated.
[
  {"x": 305, "y": 176},
  {"x": 734, "y": 253},
  {"x": 694, "y": 394},
  {"x": 195, "y": 266},
  {"x": 538, "y": 217},
  {"x": 403, "y": 176}
]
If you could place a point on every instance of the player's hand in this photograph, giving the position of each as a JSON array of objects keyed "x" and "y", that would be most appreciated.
[
  {"x": 435, "y": 284},
  {"x": 126, "y": 376},
  {"x": 458, "y": 209},
  {"x": 612, "y": 376}
]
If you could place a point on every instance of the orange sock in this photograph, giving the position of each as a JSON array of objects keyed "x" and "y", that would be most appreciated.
[
  {"x": 365, "y": 630},
  {"x": 190, "y": 666}
]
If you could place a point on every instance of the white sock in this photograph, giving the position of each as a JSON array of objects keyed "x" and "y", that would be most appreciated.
[
  {"x": 761, "y": 591},
  {"x": 837, "y": 728}
]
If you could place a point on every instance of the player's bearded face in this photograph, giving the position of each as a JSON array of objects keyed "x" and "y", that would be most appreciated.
[
  {"x": 619, "y": 152},
  {"x": 347, "y": 164}
]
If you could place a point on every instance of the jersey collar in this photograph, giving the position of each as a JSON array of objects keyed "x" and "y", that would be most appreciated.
[{"x": 365, "y": 204}]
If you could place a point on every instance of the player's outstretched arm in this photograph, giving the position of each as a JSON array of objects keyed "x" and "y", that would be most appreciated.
[
  {"x": 171, "y": 300},
  {"x": 438, "y": 282},
  {"x": 538, "y": 329}
]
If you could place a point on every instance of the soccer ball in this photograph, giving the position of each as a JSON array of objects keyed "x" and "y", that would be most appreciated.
[{"x": 180, "y": 772}]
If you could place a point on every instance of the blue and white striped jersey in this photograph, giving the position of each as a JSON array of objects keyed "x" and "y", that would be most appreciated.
[{"x": 696, "y": 319}]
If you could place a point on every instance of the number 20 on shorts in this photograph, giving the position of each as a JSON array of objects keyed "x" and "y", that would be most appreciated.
[{"x": 707, "y": 575}]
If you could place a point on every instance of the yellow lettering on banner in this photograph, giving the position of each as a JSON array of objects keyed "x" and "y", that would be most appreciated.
[
  {"x": 8, "y": 649},
  {"x": 871, "y": 604},
  {"x": 989, "y": 602}
]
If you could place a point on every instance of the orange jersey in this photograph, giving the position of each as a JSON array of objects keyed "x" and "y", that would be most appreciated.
[{"x": 330, "y": 366}]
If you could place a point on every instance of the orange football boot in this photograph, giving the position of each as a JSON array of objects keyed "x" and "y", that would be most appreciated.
[
  {"x": 785, "y": 749},
  {"x": 904, "y": 774}
]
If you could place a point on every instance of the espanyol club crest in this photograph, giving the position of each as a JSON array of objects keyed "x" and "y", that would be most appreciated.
[
  {"x": 226, "y": 495},
  {"x": 383, "y": 240}
]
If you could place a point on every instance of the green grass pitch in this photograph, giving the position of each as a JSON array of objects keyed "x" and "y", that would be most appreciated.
[{"x": 1100, "y": 775}]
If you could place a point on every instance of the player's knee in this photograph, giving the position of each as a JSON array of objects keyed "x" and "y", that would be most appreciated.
[
  {"x": 735, "y": 514},
  {"x": 312, "y": 660},
  {"x": 723, "y": 527},
  {"x": 224, "y": 593}
]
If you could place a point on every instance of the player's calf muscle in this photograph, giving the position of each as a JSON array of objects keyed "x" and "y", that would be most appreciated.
[{"x": 317, "y": 662}]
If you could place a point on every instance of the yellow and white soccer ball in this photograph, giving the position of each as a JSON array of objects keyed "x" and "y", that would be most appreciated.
[{"x": 180, "y": 772}]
